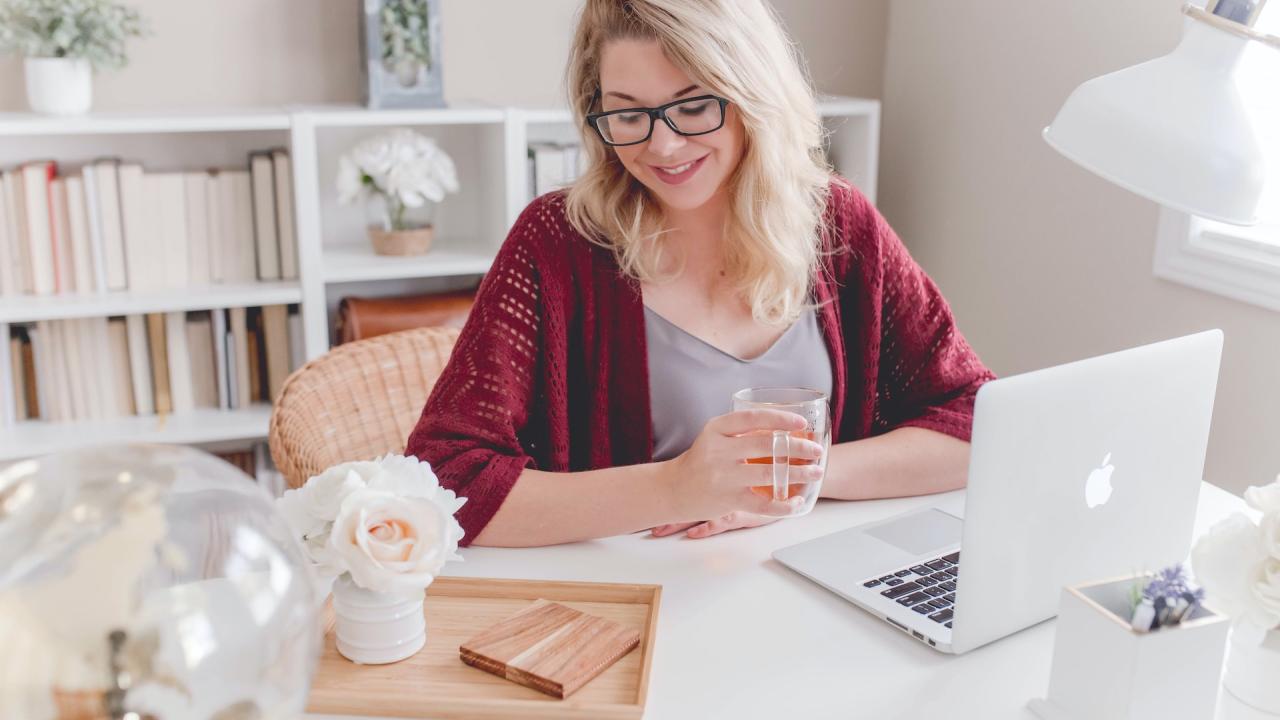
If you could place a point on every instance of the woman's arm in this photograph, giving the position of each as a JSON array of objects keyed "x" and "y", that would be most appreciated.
[{"x": 902, "y": 462}]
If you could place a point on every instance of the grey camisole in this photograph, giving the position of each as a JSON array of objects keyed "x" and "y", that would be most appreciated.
[{"x": 691, "y": 381}]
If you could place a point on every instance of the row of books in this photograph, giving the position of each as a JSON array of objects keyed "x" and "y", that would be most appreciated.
[
  {"x": 160, "y": 363},
  {"x": 553, "y": 165},
  {"x": 110, "y": 225}
]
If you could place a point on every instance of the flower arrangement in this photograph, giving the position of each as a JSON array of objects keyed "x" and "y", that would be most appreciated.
[
  {"x": 1238, "y": 561},
  {"x": 1166, "y": 600},
  {"x": 404, "y": 167},
  {"x": 406, "y": 41},
  {"x": 93, "y": 30},
  {"x": 386, "y": 523}
]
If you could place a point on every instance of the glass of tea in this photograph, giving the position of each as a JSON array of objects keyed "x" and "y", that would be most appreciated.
[{"x": 814, "y": 407}]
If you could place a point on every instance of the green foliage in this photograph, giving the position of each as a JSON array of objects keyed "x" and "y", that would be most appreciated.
[
  {"x": 404, "y": 31},
  {"x": 93, "y": 30}
]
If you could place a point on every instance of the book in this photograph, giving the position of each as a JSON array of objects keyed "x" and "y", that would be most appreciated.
[
  {"x": 181, "y": 387},
  {"x": 20, "y": 247},
  {"x": 84, "y": 353},
  {"x": 167, "y": 193},
  {"x": 82, "y": 280},
  {"x": 275, "y": 330},
  {"x": 9, "y": 284},
  {"x": 266, "y": 238},
  {"x": 216, "y": 201},
  {"x": 74, "y": 385},
  {"x": 204, "y": 374},
  {"x": 238, "y": 354},
  {"x": 221, "y": 359},
  {"x": 44, "y": 372},
  {"x": 93, "y": 218},
  {"x": 196, "y": 185},
  {"x": 121, "y": 374},
  {"x": 253, "y": 322},
  {"x": 297, "y": 348},
  {"x": 159, "y": 347},
  {"x": 29, "y": 375},
  {"x": 60, "y": 229},
  {"x": 106, "y": 177},
  {"x": 550, "y": 647},
  {"x": 38, "y": 211},
  {"x": 13, "y": 397},
  {"x": 137, "y": 219},
  {"x": 140, "y": 365},
  {"x": 241, "y": 233},
  {"x": 284, "y": 214}
]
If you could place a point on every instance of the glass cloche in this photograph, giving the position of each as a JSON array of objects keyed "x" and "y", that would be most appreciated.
[{"x": 153, "y": 581}]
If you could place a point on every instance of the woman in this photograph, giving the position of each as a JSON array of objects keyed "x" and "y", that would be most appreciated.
[{"x": 706, "y": 239}]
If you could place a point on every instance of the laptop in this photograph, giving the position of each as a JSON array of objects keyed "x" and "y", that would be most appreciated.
[{"x": 1079, "y": 472}]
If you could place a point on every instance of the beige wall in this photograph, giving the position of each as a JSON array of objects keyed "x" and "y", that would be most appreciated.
[
  {"x": 255, "y": 52},
  {"x": 1042, "y": 261}
]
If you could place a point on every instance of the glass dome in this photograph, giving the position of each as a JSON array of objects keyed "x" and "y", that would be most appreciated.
[{"x": 153, "y": 581}]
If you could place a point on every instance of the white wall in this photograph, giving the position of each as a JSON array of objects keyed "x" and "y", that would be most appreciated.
[
  {"x": 1043, "y": 262},
  {"x": 255, "y": 52}
]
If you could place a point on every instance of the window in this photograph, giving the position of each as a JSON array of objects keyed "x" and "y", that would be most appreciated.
[{"x": 1238, "y": 262}]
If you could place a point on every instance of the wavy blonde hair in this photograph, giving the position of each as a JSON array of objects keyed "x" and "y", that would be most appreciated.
[{"x": 777, "y": 194}]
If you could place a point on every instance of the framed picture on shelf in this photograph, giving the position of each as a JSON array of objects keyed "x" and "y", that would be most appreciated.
[{"x": 400, "y": 44}]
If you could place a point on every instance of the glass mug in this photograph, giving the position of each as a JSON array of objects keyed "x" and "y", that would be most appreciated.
[{"x": 813, "y": 406}]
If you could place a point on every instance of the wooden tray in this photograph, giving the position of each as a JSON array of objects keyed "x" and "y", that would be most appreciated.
[{"x": 436, "y": 683}]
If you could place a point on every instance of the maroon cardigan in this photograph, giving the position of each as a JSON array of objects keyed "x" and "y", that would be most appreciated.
[{"x": 550, "y": 370}]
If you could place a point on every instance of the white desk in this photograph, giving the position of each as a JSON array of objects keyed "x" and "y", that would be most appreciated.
[{"x": 717, "y": 657}]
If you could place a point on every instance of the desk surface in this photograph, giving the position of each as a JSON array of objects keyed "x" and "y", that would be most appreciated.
[{"x": 714, "y": 656}]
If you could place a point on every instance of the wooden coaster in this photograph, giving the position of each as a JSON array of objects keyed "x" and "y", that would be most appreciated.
[{"x": 549, "y": 647}]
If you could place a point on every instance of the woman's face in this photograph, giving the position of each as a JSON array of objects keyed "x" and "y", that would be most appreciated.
[{"x": 636, "y": 73}]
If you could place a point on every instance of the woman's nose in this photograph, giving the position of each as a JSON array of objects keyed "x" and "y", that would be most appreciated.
[{"x": 664, "y": 141}]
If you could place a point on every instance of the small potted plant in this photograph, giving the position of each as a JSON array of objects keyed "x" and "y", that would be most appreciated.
[
  {"x": 62, "y": 42},
  {"x": 401, "y": 175},
  {"x": 381, "y": 530}
]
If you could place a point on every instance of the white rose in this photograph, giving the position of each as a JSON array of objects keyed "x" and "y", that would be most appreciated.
[
  {"x": 310, "y": 510},
  {"x": 393, "y": 543},
  {"x": 1264, "y": 498},
  {"x": 350, "y": 180},
  {"x": 1270, "y": 530},
  {"x": 1228, "y": 563},
  {"x": 1267, "y": 589}
]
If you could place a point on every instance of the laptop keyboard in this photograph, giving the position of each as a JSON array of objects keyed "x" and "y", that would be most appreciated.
[{"x": 928, "y": 588}]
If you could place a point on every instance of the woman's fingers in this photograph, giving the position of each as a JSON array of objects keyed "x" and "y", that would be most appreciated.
[
  {"x": 741, "y": 422},
  {"x": 665, "y": 530},
  {"x": 761, "y": 447},
  {"x": 777, "y": 508},
  {"x": 732, "y": 521},
  {"x": 762, "y": 475}
]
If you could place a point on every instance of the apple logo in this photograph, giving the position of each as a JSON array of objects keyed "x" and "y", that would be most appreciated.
[{"x": 1097, "y": 489}]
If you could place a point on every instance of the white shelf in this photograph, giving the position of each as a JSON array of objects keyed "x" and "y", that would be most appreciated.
[
  {"x": 30, "y": 308},
  {"x": 32, "y": 438},
  {"x": 839, "y": 105},
  {"x": 122, "y": 122},
  {"x": 356, "y": 116},
  {"x": 357, "y": 262}
]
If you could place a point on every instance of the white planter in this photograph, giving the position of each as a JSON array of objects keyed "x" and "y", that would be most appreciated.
[
  {"x": 374, "y": 628},
  {"x": 1252, "y": 675},
  {"x": 1104, "y": 670},
  {"x": 59, "y": 86}
]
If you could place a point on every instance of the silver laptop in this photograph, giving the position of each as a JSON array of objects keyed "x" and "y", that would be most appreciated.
[{"x": 1079, "y": 472}]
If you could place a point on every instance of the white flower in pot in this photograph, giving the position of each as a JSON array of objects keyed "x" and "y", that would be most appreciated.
[
  {"x": 1238, "y": 564},
  {"x": 62, "y": 42},
  {"x": 384, "y": 528},
  {"x": 401, "y": 175}
]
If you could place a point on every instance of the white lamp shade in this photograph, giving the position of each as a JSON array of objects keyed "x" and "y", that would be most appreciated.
[{"x": 1195, "y": 130}]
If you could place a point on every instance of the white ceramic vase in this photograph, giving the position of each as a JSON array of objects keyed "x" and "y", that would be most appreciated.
[
  {"x": 375, "y": 628},
  {"x": 59, "y": 86},
  {"x": 1253, "y": 668}
]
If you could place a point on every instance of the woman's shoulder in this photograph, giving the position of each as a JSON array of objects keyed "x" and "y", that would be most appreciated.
[
  {"x": 854, "y": 224},
  {"x": 543, "y": 229}
]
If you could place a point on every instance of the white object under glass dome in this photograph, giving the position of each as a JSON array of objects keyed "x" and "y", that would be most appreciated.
[
  {"x": 150, "y": 581},
  {"x": 1197, "y": 130}
]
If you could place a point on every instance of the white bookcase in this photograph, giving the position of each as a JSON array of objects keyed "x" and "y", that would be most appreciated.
[{"x": 488, "y": 145}]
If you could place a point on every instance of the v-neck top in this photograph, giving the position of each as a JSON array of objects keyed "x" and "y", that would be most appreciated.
[{"x": 692, "y": 381}]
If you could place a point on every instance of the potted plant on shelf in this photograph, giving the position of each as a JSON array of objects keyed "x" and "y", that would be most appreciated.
[
  {"x": 62, "y": 42},
  {"x": 401, "y": 175}
]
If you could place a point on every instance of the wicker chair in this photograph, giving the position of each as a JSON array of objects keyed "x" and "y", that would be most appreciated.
[{"x": 356, "y": 402}]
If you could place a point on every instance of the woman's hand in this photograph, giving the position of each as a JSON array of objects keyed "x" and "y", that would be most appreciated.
[
  {"x": 713, "y": 479},
  {"x": 736, "y": 520}
]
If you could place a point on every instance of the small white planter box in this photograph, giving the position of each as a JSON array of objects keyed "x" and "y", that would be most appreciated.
[{"x": 1104, "y": 670}]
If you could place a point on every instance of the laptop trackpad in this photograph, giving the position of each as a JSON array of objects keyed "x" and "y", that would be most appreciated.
[{"x": 918, "y": 533}]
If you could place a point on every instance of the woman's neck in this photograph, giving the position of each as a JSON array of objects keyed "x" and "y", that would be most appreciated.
[{"x": 695, "y": 238}]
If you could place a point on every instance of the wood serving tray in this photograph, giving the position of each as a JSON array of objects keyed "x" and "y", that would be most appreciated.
[{"x": 436, "y": 683}]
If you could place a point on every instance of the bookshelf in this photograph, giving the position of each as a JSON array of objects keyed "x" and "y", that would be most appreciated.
[{"x": 488, "y": 145}]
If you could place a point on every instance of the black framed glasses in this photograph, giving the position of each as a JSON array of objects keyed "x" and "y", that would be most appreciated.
[{"x": 631, "y": 126}]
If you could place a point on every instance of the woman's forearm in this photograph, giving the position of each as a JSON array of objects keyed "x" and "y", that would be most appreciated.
[
  {"x": 906, "y": 461},
  {"x": 549, "y": 508}
]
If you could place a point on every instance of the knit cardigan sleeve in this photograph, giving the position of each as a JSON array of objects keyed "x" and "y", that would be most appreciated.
[
  {"x": 927, "y": 375},
  {"x": 474, "y": 427}
]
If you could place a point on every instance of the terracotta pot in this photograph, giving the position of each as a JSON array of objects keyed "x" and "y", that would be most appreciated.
[{"x": 401, "y": 242}]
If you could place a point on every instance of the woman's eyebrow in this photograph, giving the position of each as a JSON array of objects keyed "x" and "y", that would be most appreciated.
[{"x": 628, "y": 98}]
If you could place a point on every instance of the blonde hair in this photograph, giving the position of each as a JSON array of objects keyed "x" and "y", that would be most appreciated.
[{"x": 777, "y": 195}]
